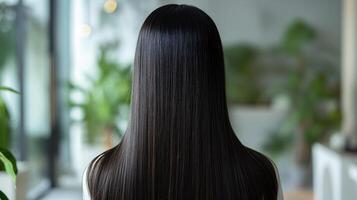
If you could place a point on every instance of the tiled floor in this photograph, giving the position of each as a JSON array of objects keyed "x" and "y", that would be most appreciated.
[{"x": 299, "y": 195}]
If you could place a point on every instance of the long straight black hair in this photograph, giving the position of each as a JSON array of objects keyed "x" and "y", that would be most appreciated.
[{"x": 179, "y": 144}]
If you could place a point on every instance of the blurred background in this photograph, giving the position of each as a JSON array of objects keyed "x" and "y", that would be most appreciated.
[{"x": 65, "y": 81}]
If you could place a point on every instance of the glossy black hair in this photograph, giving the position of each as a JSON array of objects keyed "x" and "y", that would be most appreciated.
[{"x": 179, "y": 144}]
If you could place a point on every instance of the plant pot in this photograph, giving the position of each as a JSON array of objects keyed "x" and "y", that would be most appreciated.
[
  {"x": 335, "y": 173},
  {"x": 16, "y": 191},
  {"x": 254, "y": 124}
]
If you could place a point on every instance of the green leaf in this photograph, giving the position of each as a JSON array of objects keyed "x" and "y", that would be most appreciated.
[
  {"x": 10, "y": 157},
  {"x": 297, "y": 35},
  {"x": 7, "y": 160},
  {"x": 4, "y": 125},
  {"x": 3, "y": 196},
  {"x": 8, "y": 89},
  {"x": 106, "y": 97}
]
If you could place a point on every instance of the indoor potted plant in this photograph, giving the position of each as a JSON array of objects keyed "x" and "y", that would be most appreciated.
[
  {"x": 105, "y": 109},
  {"x": 254, "y": 112},
  {"x": 8, "y": 168},
  {"x": 312, "y": 86}
]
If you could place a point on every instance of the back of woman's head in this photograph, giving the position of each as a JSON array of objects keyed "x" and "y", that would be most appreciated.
[{"x": 179, "y": 143}]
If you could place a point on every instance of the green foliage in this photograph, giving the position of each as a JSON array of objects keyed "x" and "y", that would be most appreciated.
[
  {"x": 7, "y": 160},
  {"x": 308, "y": 80},
  {"x": 313, "y": 87},
  {"x": 3, "y": 196},
  {"x": 4, "y": 125},
  {"x": 108, "y": 97},
  {"x": 8, "y": 163},
  {"x": 8, "y": 89},
  {"x": 243, "y": 75},
  {"x": 315, "y": 112},
  {"x": 297, "y": 35},
  {"x": 245, "y": 69},
  {"x": 5, "y": 128}
]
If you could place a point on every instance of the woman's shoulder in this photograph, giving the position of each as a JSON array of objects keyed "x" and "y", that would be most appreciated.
[
  {"x": 85, "y": 189},
  {"x": 258, "y": 159},
  {"x": 88, "y": 171},
  {"x": 264, "y": 169},
  {"x": 85, "y": 185}
]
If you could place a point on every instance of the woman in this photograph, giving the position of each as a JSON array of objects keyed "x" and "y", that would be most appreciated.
[{"x": 179, "y": 144}]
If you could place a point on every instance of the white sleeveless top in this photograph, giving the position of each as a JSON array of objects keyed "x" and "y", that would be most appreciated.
[{"x": 86, "y": 195}]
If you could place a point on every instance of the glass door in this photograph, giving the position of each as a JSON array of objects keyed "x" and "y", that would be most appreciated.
[{"x": 25, "y": 67}]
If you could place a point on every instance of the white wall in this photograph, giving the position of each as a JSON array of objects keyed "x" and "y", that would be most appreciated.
[
  {"x": 263, "y": 21},
  {"x": 260, "y": 22}
]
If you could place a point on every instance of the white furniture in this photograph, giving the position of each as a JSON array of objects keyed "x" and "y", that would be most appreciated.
[{"x": 335, "y": 174}]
